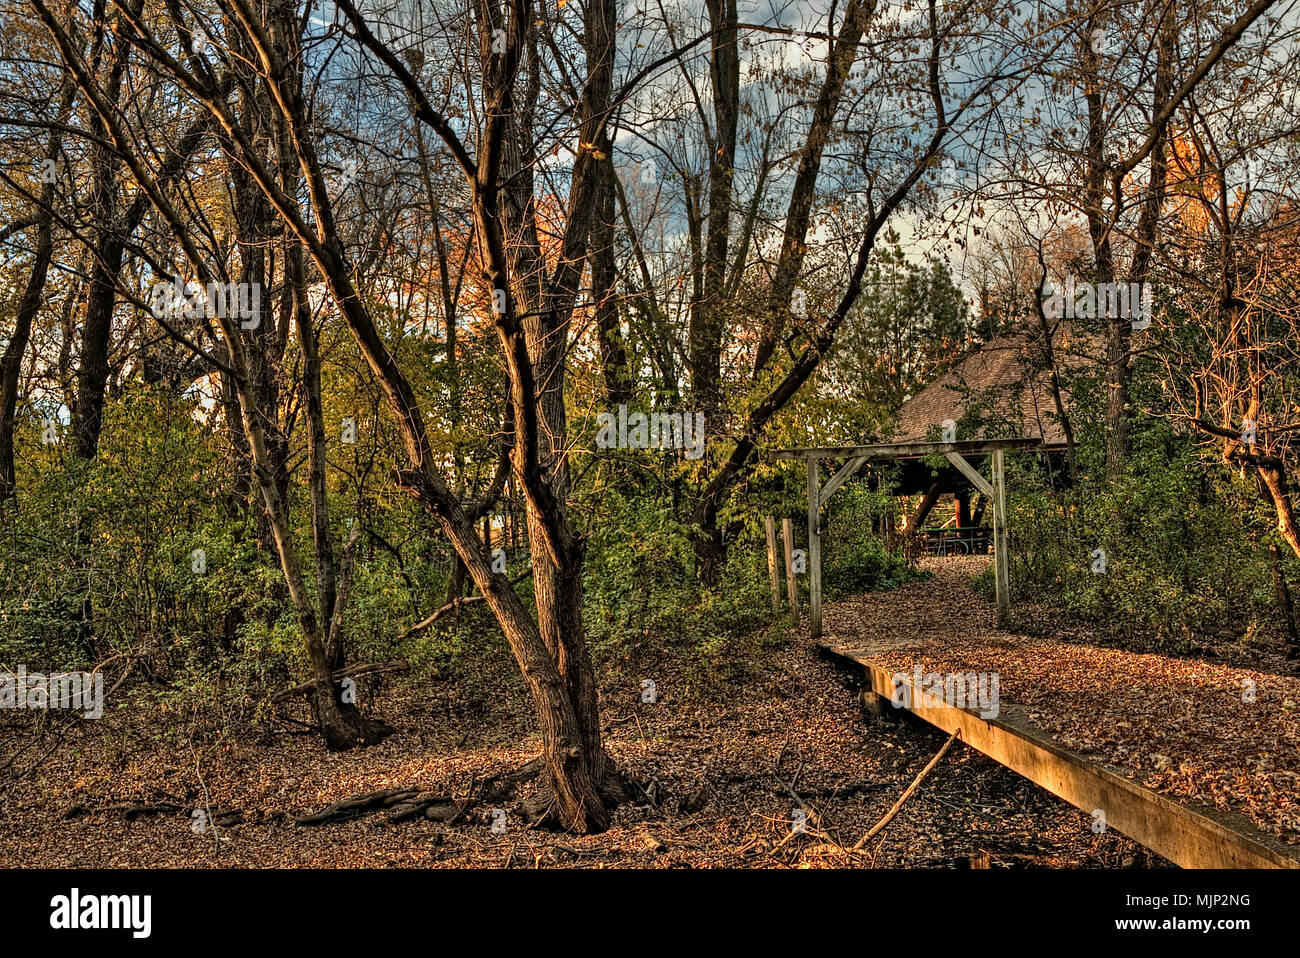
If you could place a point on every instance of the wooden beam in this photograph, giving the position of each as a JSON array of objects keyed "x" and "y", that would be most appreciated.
[
  {"x": 1000, "y": 559},
  {"x": 792, "y": 588},
  {"x": 814, "y": 549},
  {"x": 837, "y": 480},
  {"x": 903, "y": 450},
  {"x": 1192, "y": 838},
  {"x": 970, "y": 472}
]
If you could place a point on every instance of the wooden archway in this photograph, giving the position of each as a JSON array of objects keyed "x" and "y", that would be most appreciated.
[{"x": 956, "y": 452}]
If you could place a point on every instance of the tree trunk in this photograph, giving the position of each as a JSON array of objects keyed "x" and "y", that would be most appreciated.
[
  {"x": 1284, "y": 604},
  {"x": 922, "y": 511},
  {"x": 707, "y": 309},
  {"x": 710, "y": 545},
  {"x": 28, "y": 307},
  {"x": 106, "y": 264},
  {"x": 1275, "y": 484},
  {"x": 962, "y": 515},
  {"x": 604, "y": 275},
  {"x": 802, "y": 195}
]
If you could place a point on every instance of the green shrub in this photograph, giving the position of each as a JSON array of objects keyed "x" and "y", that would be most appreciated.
[
  {"x": 854, "y": 558},
  {"x": 1182, "y": 555}
]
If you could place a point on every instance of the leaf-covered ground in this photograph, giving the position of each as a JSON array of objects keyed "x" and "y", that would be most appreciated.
[
  {"x": 1182, "y": 726},
  {"x": 716, "y": 765}
]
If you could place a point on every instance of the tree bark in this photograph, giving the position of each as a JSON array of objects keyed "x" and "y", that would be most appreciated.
[
  {"x": 709, "y": 543},
  {"x": 604, "y": 277},
  {"x": 1284, "y": 603},
  {"x": 799, "y": 210},
  {"x": 708, "y": 318}
]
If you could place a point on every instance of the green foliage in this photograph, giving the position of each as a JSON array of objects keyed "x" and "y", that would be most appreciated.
[
  {"x": 1183, "y": 561},
  {"x": 910, "y": 325},
  {"x": 856, "y": 559},
  {"x": 117, "y": 532},
  {"x": 643, "y": 595},
  {"x": 121, "y": 537}
]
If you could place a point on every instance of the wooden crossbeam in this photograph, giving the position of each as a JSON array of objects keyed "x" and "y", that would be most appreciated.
[
  {"x": 903, "y": 450},
  {"x": 955, "y": 452},
  {"x": 837, "y": 480},
  {"x": 971, "y": 473}
]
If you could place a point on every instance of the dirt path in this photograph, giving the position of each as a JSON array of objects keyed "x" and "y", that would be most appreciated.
[{"x": 1183, "y": 726}]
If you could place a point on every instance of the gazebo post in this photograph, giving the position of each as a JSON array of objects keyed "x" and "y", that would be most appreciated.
[
  {"x": 1001, "y": 575},
  {"x": 814, "y": 550}
]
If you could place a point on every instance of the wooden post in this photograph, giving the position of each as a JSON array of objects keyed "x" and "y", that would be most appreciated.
[
  {"x": 875, "y": 705},
  {"x": 1001, "y": 575},
  {"x": 787, "y": 533},
  {"x": 771, "y": 566},
  {"x": 962, "y": 497},
  {"x": 814, "y": 549}
]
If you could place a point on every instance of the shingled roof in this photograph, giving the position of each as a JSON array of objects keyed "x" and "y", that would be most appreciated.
[{"x": 1005, "y": 378}]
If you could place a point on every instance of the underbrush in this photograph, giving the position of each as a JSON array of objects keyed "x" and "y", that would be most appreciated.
[{"x": 1163, "y": 558}]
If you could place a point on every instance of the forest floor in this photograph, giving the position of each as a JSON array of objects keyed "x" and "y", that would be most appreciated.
[
  {"x": 1221, "y": 727},
  {"x": 716, "y": 764}
]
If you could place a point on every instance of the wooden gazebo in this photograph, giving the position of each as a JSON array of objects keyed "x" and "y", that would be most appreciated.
[{"x": 1010, "y": 383}]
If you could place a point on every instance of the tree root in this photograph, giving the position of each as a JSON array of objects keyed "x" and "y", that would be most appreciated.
[
  {"x": 410, "y": 804},
  {"x": 358, "y": 806}
]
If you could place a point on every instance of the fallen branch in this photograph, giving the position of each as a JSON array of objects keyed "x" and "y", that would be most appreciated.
[
  {"x": 502, "y": 786},
  {"x": 454, "y": 604},
  {"x": 131, "y": 812},
  {"x": 839, "y": 791},
  {"x": 889, "y": 815},
  {"x": 358, "y": 806},
  {"x": 438, "y": 808},
  {"x": 808, "y": 810},
  {"x": 810, "y": 815},
  {"x": 348, "y": 672}
]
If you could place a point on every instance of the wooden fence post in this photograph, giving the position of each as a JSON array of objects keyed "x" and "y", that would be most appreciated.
[
  {"x": 814, "y": 549},
  {"x": 1001, "y": 572},
  {"x": 770, "y": 523},
  {"x": 787, "y": 533}
]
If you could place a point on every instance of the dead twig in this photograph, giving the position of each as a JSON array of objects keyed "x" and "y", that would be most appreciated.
[
  {"x": 877, "y": 828},
  {"x": 347, "y": 672}
]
